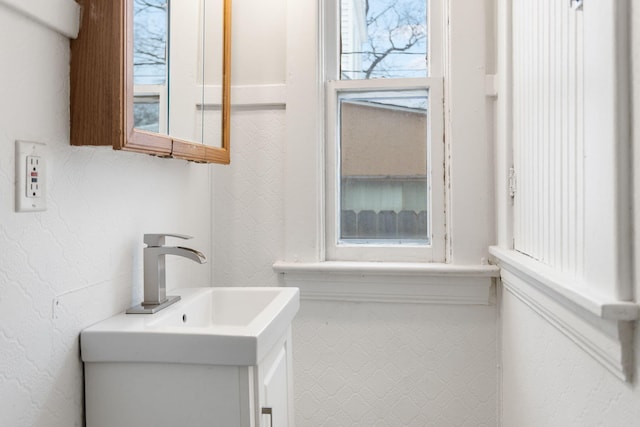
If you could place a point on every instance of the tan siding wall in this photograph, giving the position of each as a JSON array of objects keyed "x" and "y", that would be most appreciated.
[{"x": 383, "y": 141}]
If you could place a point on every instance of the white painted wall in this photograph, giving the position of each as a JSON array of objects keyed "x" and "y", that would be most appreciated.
[
  {"x": 394, "y": 365},
  {"x": 549, "y": 381},
  {"x": 85, "y": 251},
  {"x": 248, "y": 223}
]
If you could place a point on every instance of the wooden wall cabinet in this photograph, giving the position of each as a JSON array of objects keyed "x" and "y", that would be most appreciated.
[{"x": 102, "y": 87}]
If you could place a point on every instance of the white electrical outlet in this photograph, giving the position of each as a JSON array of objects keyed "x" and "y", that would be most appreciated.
[{"x": 31, "y": 194}]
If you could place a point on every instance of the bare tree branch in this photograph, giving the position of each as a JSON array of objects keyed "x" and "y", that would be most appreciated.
[{"x": 393, "y": 28}]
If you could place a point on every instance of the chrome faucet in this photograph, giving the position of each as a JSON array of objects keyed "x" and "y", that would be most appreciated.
[{"x": 155, "y": 285}]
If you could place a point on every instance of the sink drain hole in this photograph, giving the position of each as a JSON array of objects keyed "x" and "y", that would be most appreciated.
[{"x": 184, "y": 318}]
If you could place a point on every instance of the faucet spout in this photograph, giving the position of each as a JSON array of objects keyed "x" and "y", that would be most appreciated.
[
  {"x": 192, "y": 254},
  {"x": 155, "y": 289}
]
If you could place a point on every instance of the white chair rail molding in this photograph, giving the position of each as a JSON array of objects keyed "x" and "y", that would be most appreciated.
[{"x": 600, "y": 325}]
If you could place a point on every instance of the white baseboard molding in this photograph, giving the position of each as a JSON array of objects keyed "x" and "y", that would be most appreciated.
[
  {"x": 602, "y": 327},
  {"x": 416, "y": 283},
  {"x": 62, "y": 16}
]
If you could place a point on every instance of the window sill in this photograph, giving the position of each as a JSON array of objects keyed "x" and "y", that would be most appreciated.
[
  {"x": 601, "y": 326},
  {"x": 391, "y": 282}
]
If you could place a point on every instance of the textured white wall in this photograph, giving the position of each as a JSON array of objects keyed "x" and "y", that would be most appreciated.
[
  {"x": 393, "y": 365},
  {"x": 85, "y": 250},
  {"x": 248, "y": 223},
  {"x": 549, "y": 381}
]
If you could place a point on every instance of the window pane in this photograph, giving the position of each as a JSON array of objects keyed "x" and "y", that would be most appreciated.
[
  {"x": 384, "y": 193},
  {"x": 383, "y": 39}
]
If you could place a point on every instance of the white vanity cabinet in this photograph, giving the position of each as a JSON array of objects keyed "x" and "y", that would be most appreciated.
[
  {"x": 218, "y": 357},
  {"x": 275, "y": 382},
  {"x": 127, "y": 394}
]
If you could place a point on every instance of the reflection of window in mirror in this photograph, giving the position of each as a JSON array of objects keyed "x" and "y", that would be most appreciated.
[
  {"x": 150, "y": 52},
  {"x": 146, "y": 112}
]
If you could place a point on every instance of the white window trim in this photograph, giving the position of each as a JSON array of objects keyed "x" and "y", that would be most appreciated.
[
  {"x": 435, "y": 251},
  {"x": 391, "y": 282},
  {"x": 470, "y": 180},
  {"x": 601, "y": 326},
  {"x": 595, "y": 311}
]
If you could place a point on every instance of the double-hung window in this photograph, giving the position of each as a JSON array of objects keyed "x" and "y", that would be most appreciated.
[{"x": 384, "y": 130}]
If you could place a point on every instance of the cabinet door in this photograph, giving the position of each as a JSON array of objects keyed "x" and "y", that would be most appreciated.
[{"x": 275, "y": 393}]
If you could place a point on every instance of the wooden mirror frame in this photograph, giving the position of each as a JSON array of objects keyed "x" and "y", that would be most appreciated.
[{"x": 102, "y": 87}]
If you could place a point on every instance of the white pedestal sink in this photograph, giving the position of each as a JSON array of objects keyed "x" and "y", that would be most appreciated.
[{"x": 218, "y": 357}]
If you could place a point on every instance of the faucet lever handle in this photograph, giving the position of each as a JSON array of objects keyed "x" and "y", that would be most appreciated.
[{"x": 158, "y": 239}]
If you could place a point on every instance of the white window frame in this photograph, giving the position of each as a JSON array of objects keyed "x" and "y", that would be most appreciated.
[
  {"x": 467, "y": 68},
  {"x": 343, "y": 251},
  {"x": 381, "y": 251}
]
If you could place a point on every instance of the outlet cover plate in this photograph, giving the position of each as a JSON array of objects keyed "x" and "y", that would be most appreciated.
[{"x": 30, "y": 191}]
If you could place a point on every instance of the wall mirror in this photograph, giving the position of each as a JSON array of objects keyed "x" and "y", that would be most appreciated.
[{"x": 153, "y": 76}]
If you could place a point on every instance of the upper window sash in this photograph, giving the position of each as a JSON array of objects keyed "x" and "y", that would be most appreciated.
[{"x": 331, "y": 35}]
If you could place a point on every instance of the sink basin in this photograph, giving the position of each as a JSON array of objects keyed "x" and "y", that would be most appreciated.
[{"x": 216, "y": 326}]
